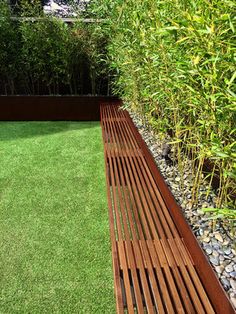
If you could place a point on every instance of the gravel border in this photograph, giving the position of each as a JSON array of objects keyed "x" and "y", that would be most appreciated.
[{"x": 216, "y": 238}]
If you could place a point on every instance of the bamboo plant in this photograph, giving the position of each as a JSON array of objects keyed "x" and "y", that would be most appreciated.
[{"x": 174, "y": 62}]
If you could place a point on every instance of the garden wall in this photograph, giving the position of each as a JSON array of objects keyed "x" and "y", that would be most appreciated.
[{"x": 40, "y": 108}]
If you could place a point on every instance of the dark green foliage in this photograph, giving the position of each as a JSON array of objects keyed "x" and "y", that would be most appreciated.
[
  {"x": 48, "y": 56},
  {"x": 9, "y": 50}
]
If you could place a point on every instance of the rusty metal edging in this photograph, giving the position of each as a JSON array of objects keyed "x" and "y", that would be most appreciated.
[
  {"x": 216, "y": 293},
  {"x": 52, "y": 108}
]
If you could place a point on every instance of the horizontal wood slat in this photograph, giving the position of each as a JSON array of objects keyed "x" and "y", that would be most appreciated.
[{"x": 153, "y": 270}]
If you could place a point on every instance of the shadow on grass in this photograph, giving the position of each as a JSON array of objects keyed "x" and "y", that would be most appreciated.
[{"x": 18, "y": 130}]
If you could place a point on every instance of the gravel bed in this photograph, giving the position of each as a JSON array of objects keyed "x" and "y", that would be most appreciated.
[{"x": 215, "y": 237}]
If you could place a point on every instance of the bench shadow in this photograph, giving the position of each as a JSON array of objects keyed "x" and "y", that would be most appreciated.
[{"x": 10, "y": 131}]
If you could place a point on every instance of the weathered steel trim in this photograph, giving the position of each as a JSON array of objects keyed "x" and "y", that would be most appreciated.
[{"x": 43, "y": 108}]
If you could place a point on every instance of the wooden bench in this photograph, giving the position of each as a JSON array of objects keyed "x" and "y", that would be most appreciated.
[{"x": 154, "y": 271}]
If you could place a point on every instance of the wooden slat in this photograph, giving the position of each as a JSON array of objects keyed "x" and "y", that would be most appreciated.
[
  {"x": 153, "y": 271},
  {"x": 186, "y": 259},
  {"x": 141, "y": 266},
  {"x": 146, "y": 175},
  {"x": 115, "y": 261},
  {"x": 144, "y": 196},
  {"x": 169, "y": 290}
]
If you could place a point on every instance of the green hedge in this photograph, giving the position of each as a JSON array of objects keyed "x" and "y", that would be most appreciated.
[
  {"x": 175, "y": 62},
  {"x": 47, "y": 56}
]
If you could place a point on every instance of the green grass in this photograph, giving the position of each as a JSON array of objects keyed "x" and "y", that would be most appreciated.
[{"x": 54, "y": 234}]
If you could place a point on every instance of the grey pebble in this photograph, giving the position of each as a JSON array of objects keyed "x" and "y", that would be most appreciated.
[
  {"x": 208, "y": 249},
  {"x": 227, "y": 251},
  {"x": 233, "y": 284},
  {"x": 229, "y": 268},
  {"x": 219, "y": 269},
  {"x": 214, "y": 261},
  {"x": 216, "y": 246},
  {"x": 221, "y": 258},
  {"x": 228, "y": 257},
  {"x": 201, "y": 231},
  {"x": 225, "y": 283},
  {"x": 215, "y": 253}
]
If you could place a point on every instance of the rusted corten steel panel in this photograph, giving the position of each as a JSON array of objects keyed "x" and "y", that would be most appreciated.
[
  {"x": 43, "y": 108},
  {"x": 157, "y": 262}
]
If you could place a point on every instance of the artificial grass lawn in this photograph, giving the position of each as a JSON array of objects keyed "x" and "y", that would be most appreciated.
[{"x": 54, "y": 235}]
